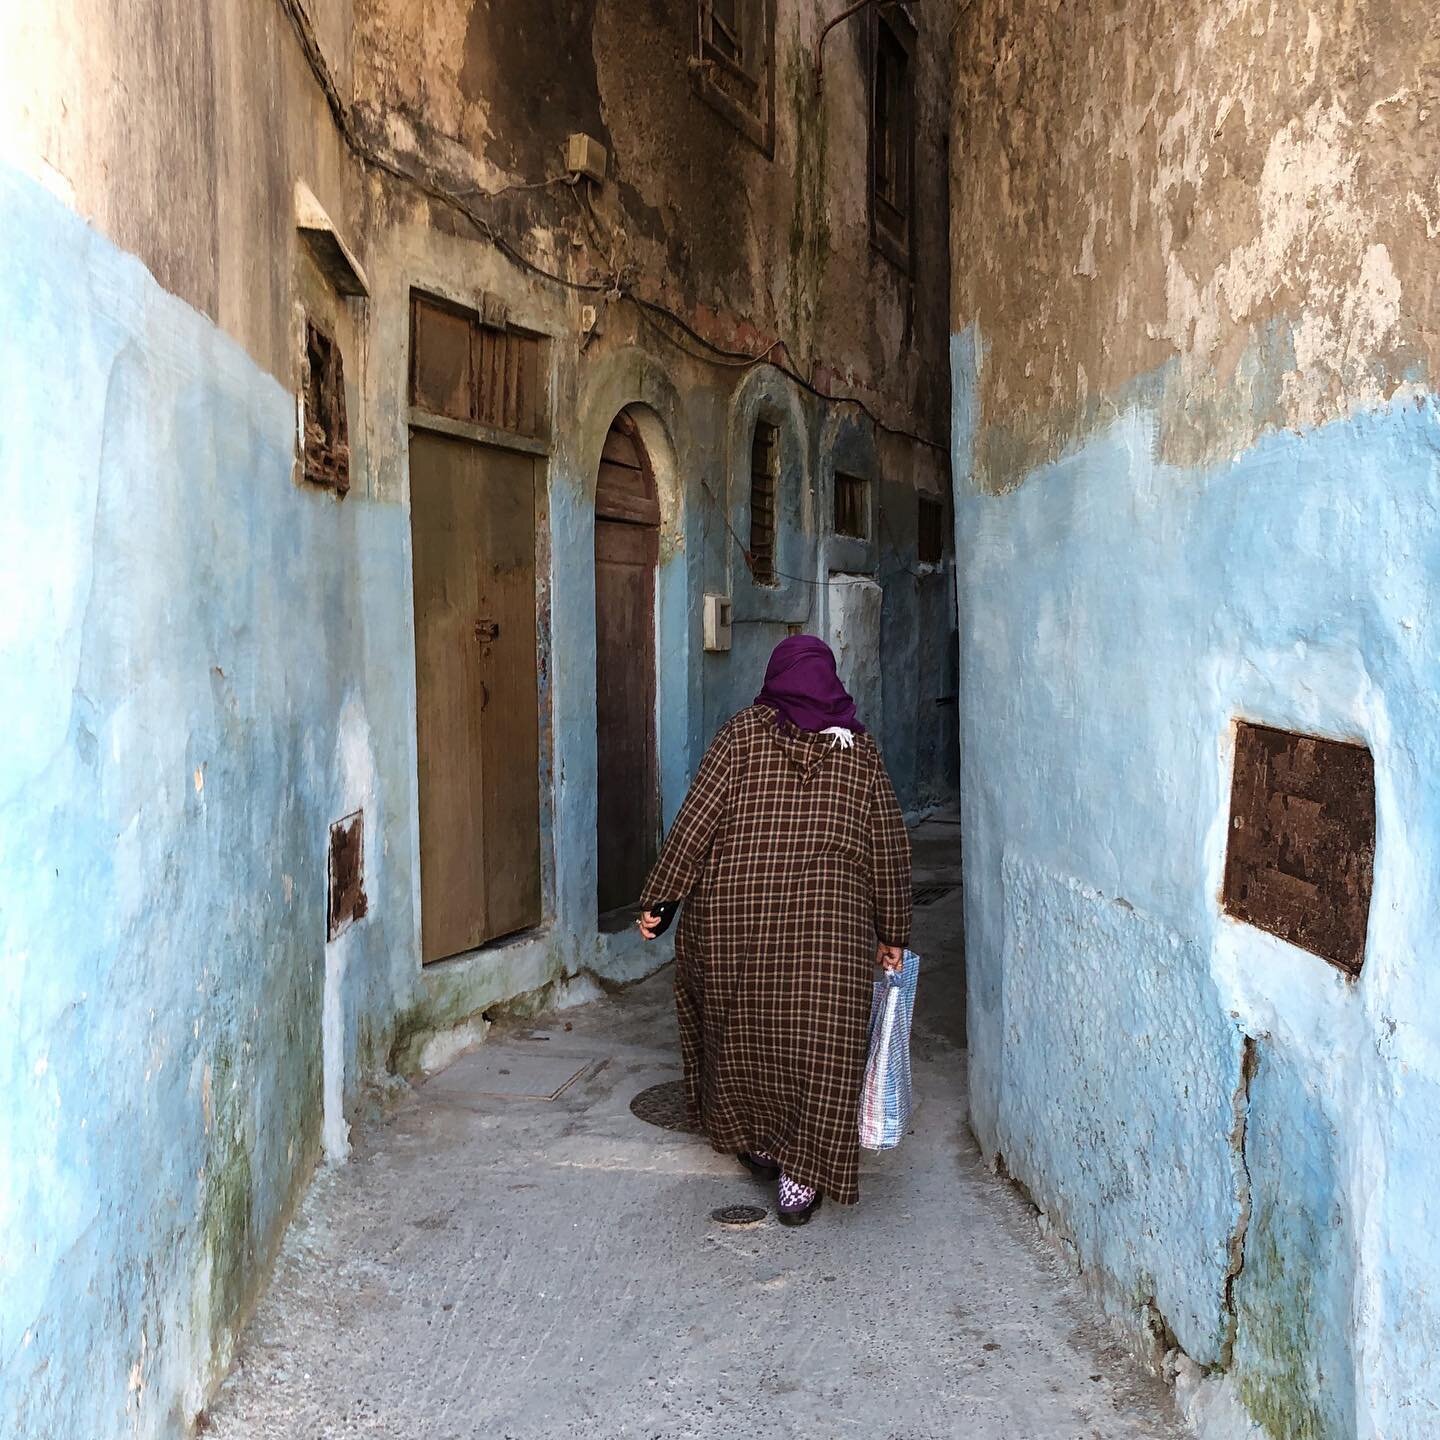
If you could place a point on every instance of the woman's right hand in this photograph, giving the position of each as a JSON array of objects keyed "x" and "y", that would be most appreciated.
[
  {"x": 647, "y": 924},
  {"x": 890, "y": 957}
]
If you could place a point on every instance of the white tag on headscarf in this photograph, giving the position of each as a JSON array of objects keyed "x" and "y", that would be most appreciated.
[{"x": 841, "y": 736}]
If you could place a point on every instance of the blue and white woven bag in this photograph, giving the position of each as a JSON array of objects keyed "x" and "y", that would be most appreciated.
[{"x": 885, "y": 1098}]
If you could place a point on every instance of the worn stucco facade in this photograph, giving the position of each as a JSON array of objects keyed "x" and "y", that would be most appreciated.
[
  {"x": 206, "y": 661},
  {"x": 1195, "y": 447}
]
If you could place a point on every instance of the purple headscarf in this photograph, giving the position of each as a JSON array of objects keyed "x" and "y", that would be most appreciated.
[{"x": 801, "y": 686}]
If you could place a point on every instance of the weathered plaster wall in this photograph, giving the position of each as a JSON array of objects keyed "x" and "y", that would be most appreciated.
[
  {"x": 179, "y": 129},
  {"x": 1197, "y": 457},
  {"x": 751, "y": 247},
  {"x": 207, "y": 662},
  {"x": 201, "y": 674},
  {"x": 747, "y": 247},
  {"x": 1233, "y": 207}
]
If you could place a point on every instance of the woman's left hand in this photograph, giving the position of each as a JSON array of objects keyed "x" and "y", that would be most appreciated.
[
  {"x": 648, "y": 924},
  {"x": 890, "y": 957}
]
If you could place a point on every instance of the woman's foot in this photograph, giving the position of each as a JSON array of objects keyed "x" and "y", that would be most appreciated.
[
  {"x": 759, "y": 1165},
  {"x": 797, "y": 1202}
]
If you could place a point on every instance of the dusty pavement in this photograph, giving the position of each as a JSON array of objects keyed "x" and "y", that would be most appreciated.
[{"x": 529, "y": 1268}]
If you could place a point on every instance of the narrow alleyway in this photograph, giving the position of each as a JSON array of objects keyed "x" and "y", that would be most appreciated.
[{"x": 530, "y": 1268}]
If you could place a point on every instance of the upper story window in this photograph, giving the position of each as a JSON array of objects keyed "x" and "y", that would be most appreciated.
[
  {"x": 930, "y": 531},
  {"x": 852, "y": 506},
  {"x": 764, "y": 478},
  {"x": 892, "y": 132},
  {"x": 734, "y": 64}
]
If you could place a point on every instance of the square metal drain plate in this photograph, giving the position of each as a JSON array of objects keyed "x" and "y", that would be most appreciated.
[
  {"x": 929, "y": 894},
  {"x": 489, "y": 1073}
]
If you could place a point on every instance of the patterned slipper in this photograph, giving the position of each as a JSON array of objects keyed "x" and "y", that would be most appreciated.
[
  {"x": 760, "y": 1166},
  {"x": 797, "y": 1202}
]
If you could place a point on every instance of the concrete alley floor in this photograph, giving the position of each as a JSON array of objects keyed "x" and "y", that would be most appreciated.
[{"x": 527, "y": 1268}]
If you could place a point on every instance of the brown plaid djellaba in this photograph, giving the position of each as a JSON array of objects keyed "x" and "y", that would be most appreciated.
[{"x": 793, "y": 860}]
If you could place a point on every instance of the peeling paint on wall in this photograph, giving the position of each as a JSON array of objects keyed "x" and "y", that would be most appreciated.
[{"x": 1230, "y": 211}]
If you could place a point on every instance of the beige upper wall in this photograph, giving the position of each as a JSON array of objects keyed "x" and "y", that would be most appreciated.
[
  {"x": 1235, "y": 203},
  {"x": 179, "y": 129},
  {"x": 749, "y": 247}
]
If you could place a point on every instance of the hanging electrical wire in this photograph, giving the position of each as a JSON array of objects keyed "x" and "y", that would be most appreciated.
[{"x": 613, "y": 287}]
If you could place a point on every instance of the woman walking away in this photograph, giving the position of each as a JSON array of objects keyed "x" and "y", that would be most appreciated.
[{"x": 792, "y": 856}]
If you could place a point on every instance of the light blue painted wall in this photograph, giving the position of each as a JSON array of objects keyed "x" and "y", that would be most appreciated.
[
  {"x": 200, "y": 669},
  {"x": 1116, "y": 614},
  {"x": 203, "y": 664}
]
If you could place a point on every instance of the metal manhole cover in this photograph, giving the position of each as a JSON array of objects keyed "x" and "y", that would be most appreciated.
[
  {"x": 929, "y": 894},
  {"x": 664, "y": 1105},
  {"x": 739, "y": 1214}
]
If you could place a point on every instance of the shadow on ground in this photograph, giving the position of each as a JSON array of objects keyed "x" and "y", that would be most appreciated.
[{"x": 491, "y": 1265}]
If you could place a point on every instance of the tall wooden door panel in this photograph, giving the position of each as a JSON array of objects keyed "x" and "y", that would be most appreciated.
[
  {"x": 477, "y": 720},
  {"x": 627, "y": 799}
]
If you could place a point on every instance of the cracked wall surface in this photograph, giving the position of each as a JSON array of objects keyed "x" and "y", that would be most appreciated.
[
  {"x": 1231, "y": 207},
  {"x": 1197, "y": 459},
  {"x": 207, "y": 662}
]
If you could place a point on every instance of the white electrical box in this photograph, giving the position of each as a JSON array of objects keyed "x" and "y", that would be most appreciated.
[
  {"x": 717, "y": 622},
  {"x": 585, "y": 155}
]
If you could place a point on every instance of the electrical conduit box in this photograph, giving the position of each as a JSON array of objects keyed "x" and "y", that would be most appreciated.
[
  {"x": 585, "y": 155},
  {"x": 717, "y": 622}
]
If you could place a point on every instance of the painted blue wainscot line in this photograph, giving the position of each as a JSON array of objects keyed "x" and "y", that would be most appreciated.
[
  {"x": 194, "y": 686},
  {"x": 1117, "y": 614}
]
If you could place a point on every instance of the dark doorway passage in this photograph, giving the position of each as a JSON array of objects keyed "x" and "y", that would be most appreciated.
[
  {"x": 627, "y": 521},
  {"x": 472, "y": 517}
]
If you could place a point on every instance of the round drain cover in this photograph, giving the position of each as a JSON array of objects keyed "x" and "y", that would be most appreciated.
[
  {"x": 739, "y": 1214},
  {"x": 663, "y": 1105}
]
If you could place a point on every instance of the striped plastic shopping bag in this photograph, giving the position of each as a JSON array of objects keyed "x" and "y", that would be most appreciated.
[{"x": 885, "y": 1098}]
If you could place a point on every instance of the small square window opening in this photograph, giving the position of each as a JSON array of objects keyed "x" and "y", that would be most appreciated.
[
  {"x": 324, "y": 432},
  {"x": 764, "y": 477},
  {"x": 852, "y": 509},
  {"x": 930, "y": 531}
]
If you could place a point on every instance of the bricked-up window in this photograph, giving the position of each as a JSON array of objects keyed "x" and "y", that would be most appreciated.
[
  {"x": 930, "y": 531},
  {"x": 764, "y": 482},
  {"x": 464, "y": 369},
  {"x": 1301, "y": 852},
  {"x": 322, "y": 413},
  {"x": 892, "y": 132},
  {"x": 852, "y": 506},
  {"x": 734, "y": 63},
  {"x": 347, "y": 873}
]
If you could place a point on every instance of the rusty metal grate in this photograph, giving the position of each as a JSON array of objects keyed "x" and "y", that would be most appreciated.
[
  {"x": 664, "y": 1105},
  {"x": 1301, "y": 851},
  {"x": 346, "y": 869},
  {"x": 929, "y": 894},
  {"x": 739, "y": 1215}
]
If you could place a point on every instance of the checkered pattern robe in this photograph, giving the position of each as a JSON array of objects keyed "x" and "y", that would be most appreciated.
[{"x": 793, "y": 859}]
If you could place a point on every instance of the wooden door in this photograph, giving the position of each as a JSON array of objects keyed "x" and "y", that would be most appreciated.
[
  {"x": 472, "y": 517},
  {"x": 627, "y": 515}
]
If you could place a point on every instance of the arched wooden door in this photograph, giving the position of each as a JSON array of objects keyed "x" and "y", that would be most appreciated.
[{"x": 627, "y": 531}]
